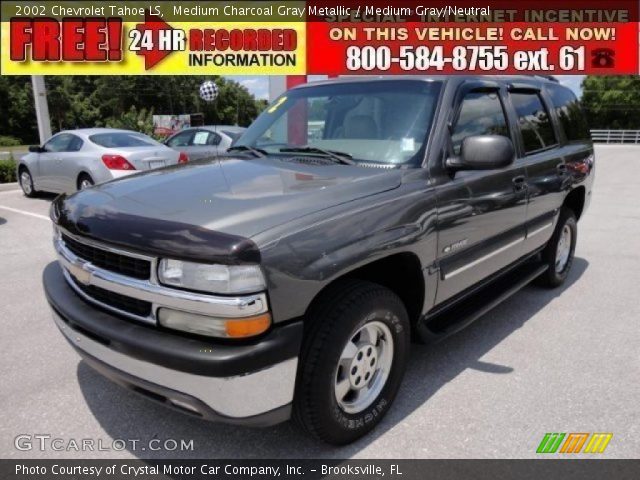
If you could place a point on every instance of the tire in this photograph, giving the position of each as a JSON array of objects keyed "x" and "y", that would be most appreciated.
[
  {"x": 26, "y": 182},
  {"x": 85, "y": 181},
  {"x": 558, "y": 253},
  {"x": 349, "y": 315}
]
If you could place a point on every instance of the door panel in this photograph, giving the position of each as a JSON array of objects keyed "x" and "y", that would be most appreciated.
[
  {"x": 481, "y": 227},
  {"x": 546, "y": 173},
  {"x": 203, "y": 144},
  {"x": 481, "y": 214},
  {"x": 197, "y": 152},
  {"x": 544, "y": 164},
  {"x": 51, "y": 161},
  {"x": 40, "y": 179}
]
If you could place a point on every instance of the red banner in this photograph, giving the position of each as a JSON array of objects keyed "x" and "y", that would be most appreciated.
[{"x": 405, "y": 38}]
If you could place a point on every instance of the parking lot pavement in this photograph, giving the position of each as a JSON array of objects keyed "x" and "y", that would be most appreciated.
[{"x": 563, "y": 360}]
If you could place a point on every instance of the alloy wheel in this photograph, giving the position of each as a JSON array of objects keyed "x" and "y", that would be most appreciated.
[
  {"x": 364, "y": 367},
  {"x": 564, "y": 249}
]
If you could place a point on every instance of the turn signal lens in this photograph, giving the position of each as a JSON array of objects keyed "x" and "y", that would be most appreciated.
[
  {"x": 183, "y": 158},
  {"x": 214, "y": 326},
  {"x": 248, "y": 327},
  {"x": 117, "y": 162}
]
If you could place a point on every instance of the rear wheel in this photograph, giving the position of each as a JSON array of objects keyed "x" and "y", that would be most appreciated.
[
  {"x": 85, "y": 181},
  {"x": 352, "y": 362},
  {"x": 26, "y": 182},
  {"x": 559, "y": 252}
]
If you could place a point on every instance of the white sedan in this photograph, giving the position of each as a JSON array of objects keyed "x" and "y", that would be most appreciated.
[
  {"x": 76, "y": 159},
  {"x": 206, "y": 141}
]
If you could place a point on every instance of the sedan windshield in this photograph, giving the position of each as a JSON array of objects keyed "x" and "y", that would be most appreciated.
[{"x": 382, "y": 121}]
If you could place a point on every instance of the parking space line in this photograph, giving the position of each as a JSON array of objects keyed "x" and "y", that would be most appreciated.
[{"x": 23, "y": 212}]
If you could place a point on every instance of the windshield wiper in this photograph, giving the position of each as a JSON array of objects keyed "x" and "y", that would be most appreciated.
[
  {"x": 258, "y": 152},
  {"x": 339, "y": 157}
]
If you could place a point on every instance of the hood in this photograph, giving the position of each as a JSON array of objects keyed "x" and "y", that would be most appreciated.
[{"x": 231, "y": 197}]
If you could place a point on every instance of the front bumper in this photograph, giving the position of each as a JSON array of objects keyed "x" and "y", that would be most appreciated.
[{"x": 249, "y": 384}]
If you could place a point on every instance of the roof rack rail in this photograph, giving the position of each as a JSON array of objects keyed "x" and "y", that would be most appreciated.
[{"x": 549, "y": 77}]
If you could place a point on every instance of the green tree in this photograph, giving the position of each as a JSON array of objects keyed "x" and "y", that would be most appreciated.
[
  {"x": 612, "y": 102},
  {"x": 18, "y": 118},
  {"x": 126, "y": 101},
  {"x": 138, "y": 120}
]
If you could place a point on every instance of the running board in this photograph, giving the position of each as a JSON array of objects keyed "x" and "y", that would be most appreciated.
[{"x": 435, "y": 327}]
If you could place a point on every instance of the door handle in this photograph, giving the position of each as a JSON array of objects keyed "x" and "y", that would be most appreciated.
[
  {"x": 562, "y": 169},
  {"x": 519, "y": 183}
]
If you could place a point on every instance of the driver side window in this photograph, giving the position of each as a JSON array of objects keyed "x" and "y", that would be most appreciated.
[
  {"x": 481, "y": 113},
  {"x": 182, "y": 139}
]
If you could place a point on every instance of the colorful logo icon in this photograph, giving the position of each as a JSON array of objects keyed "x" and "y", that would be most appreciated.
[{"x": 573, "y": 442}]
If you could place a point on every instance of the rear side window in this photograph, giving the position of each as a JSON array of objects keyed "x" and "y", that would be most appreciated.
[
  {"x": 534, "y": 122},
  {"x": 122, "y": 140},
  {"x": 481, "y": 113},
  {"x": 75, "y": 144},
  {"x": 203, "y": 137},
  {"x": 569, "y": 113}
]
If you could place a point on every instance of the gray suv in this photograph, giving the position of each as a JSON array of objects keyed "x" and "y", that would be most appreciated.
[{"x": 288, "y": 278}]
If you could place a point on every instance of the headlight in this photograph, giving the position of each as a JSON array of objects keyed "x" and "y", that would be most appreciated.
[{"x": 230, "y": 279}]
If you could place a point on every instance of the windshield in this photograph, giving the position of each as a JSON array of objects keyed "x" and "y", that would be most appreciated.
[
  {"x": 375, "y": 121},
  {"x": 122, "y": 139}
]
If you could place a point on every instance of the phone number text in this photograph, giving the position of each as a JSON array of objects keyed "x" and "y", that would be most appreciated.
[{"x": 464, "y": 58}]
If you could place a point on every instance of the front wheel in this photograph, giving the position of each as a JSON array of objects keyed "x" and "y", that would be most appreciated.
[
  {"x": 559, "y": 252},
  {"x": 26, "y": 183},
  {"x": 352, "y": 362}
]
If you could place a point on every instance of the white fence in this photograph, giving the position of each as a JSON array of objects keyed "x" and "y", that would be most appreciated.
[{"x": 615, "y": 136}]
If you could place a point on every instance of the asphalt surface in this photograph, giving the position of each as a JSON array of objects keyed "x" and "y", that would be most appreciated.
[{"x": 566, "y": 360}]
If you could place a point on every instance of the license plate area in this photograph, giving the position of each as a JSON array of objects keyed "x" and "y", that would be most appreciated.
[{"x": 156, "y": 164}]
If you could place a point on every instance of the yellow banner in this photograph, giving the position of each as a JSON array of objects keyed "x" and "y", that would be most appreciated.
[{"x": 185, "y": 48}]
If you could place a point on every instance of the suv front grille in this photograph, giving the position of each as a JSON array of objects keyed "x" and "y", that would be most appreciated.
[
  {"x": 134, "y": 306},
  {"x": 114, "y": 262}
]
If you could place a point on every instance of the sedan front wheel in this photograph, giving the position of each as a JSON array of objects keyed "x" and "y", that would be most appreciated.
[{"x": 26, "y": 183}]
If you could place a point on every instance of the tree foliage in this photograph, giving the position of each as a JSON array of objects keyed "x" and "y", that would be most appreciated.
[
  {"x": 612, "y": 102},
  {"x": 119, "y": 101}
]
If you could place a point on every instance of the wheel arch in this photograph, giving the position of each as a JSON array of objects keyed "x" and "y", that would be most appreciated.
[
  {"x": 79, "y": 176},
  {"x": 575, "y": 200},
  {"x": 400, "y": 272}
]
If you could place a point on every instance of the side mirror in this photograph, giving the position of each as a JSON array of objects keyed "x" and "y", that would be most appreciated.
[
  {"x": 483, "y": 152},
  {"x": 36, "y": 149}
]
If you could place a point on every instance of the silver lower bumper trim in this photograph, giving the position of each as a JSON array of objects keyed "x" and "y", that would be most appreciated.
[{"x": 236, "y": 397}]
